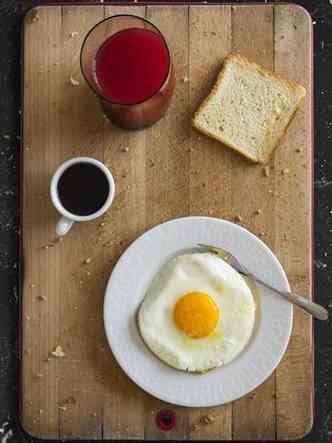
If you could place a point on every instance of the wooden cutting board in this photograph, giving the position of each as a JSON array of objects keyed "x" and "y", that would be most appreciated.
[{"x": 169, "y": 170}]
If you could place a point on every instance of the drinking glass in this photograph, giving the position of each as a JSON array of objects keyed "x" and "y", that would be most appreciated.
[{"x": 127, "y": 114}]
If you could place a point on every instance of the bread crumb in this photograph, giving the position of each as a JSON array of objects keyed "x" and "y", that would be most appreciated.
[
  {"x": 93, "y": 414},
  {"x": 58, "y": 352},
  {"x": 194, "y": 427},
  {"x": 262, "y": 234},
  {"x": 125, "y": 149},
  {"x": 34, "y": 16},
  {"x": 41, "y": 297},
  {"x": 266, "y": 171},
  {"x": 32, "y": 285},
  {"x": 258, "y": 211},
  {"x": 39, "y": 375},
  {"x": 298, "y": 150},
  {"x": 87, "y": 261},
  {"x": 185, "y": 79},
  {"x": 62, "y": 408},
  {"x": 27, "y": 317},
  {"x": 73, "y": 81},
  {"x": 238, "y": 218},
  {"x": 207, "y": 419},
  {"x": 73, "y": 34},
  {"x": 69, "y": 401},
  {"x": 40, "y": 411},
  {"x": 285, "y": 171}
]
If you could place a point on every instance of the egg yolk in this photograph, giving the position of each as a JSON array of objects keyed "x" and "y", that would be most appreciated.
[{"x": 196, "y": 314}]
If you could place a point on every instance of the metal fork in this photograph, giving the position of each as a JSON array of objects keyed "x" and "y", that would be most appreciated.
[{"x": 317, "y": 311}]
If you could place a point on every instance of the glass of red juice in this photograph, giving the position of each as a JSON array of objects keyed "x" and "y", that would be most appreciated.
[{"x": 127, "y": 63}]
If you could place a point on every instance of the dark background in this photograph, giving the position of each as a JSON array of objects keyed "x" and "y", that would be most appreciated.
[{"x": 11, "y": 13}]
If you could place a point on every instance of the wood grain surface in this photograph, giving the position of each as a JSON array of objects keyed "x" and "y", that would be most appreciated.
[{"x": 168, "y": 170}]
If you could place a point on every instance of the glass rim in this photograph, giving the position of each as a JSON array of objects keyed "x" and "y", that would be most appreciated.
[{"x": 99, "y": 94}]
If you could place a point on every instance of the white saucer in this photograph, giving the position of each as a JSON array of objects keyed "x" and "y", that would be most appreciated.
[{"x": 126, "y": 289}]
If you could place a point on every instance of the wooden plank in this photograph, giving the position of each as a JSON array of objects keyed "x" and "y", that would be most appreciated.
[
  {"x": 293, "y": 58},
  {"x": 42, "y": 90},
  {"x": 123, "y": 224},
  {"x": 167, "y": 170},
  {"x": 252, "y": 36},
  {"x": 210, "y": 192},
  {"x": 82, "y": 286}
]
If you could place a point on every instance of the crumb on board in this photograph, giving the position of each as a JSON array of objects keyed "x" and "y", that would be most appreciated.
[
  {"x": 298, "y": 150},
  {"x": 285, "y": 171},
  {"x": 62, "y": 408},
  {"x": 32, "y": 285},
  {"x": 41, "y": 297},
  {"x": 87, "y": 261},
  {"x": 39, "y": 375},
  {"x": 58, "y": 352},
  {"x": 207, "y": 419},
  {"x": 69, "y": 401},
  {"x": 73, "y": 81},
  {"x": 185, "y": 79},
  {"x": 262, "y": 234},
  {"x": 34, "y": 16},
  {"x": 258, "y": 211},
  {"x": 194, "y": 427},
  {"x": 73, "y": 34},
  {"x": 266, "y": 171},
  {"x": 238, "y": 218}
]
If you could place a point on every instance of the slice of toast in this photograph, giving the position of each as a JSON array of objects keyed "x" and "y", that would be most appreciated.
[{"x": 249, "y": 108}]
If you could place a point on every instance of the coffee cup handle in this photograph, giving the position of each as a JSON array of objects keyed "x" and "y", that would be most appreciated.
[{"x": 63, "y": 226}]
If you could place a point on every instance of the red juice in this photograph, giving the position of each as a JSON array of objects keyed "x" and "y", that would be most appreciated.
[{"x": 131, "y": 66}]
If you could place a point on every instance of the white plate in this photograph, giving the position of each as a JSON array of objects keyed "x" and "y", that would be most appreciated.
[{"x": 126, "y": 289}]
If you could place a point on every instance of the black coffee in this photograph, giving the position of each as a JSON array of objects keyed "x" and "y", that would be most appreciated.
[{"x": 83, "y": 189}]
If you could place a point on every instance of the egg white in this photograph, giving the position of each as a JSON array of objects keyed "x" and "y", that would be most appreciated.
[{"x": 197, "y": 272}]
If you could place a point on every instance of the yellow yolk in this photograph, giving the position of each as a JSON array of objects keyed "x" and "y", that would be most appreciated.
[{"x": 196, "y": 314}]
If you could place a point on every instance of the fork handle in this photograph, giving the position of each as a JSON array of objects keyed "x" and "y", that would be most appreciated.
[{"x": 314, "y": 309}]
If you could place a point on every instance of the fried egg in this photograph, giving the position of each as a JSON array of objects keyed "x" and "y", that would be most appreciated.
[{"x": 198, "y": 313}]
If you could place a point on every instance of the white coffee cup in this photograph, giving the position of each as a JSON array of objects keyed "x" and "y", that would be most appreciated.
[{"x": 68, "y": 219}]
